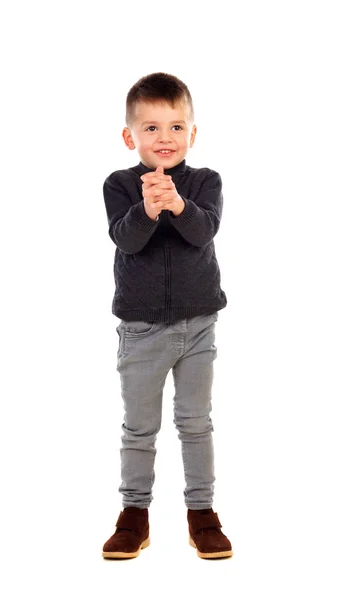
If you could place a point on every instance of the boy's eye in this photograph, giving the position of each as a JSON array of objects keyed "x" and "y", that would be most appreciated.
[{"x": 153, "y": 127}]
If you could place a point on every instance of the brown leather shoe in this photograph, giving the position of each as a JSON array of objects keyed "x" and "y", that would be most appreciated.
[
  {"x": 131, "y": 535},
  {"x": 206, "y": 535}
]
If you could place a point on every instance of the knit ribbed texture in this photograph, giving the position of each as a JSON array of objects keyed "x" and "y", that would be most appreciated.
[{"x": 165, "y": 270}]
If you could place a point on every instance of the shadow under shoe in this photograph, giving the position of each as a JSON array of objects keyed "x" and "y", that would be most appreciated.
[
  {"x": 206, "y": 536},
  {"x": 131, "y": 535}
]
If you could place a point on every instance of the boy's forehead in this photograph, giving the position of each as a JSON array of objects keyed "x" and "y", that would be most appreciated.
[{"x": 161, "y": 109}]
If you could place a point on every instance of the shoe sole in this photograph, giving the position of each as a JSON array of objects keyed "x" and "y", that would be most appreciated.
[
  {"x": 145, "y": 544},
  {"x": 223, "y": 554}
]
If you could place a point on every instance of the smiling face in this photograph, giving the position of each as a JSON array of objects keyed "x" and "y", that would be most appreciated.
[{"x": 161, "y": 134}]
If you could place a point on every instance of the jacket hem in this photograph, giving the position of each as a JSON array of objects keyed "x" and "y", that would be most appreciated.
[{"x": 163, "y": 315}]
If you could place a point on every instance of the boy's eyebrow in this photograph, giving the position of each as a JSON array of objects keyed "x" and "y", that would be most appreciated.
[{"x": 177, "y": 121}]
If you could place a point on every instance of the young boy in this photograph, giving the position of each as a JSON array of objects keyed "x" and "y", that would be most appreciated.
[{"x": 163, "y": 216}]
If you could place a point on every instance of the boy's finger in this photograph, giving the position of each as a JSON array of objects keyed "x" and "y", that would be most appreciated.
[
  {"x": 157, "y": 187},
  {"x": 155, "y": 193},
  {"x": 152, "y": 176}
]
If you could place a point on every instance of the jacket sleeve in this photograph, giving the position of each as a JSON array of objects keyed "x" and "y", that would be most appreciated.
[
  {"x": 200, "y": 219},
  {"x": 130, "y": 228}
]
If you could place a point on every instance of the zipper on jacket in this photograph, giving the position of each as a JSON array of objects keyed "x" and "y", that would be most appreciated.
[{"x": 167, "y": 276}]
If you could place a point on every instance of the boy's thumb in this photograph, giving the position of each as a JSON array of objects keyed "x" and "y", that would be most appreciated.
[{"x": 159, "y": 169}]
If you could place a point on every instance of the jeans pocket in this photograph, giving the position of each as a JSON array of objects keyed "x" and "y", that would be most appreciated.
[{"x": 137, "y": 328}]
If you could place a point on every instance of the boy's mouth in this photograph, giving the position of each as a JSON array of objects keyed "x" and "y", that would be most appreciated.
[{"x": 164, "y": 152}]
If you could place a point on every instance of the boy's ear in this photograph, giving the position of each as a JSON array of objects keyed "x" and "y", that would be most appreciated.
[
  {"x": 193, "y": 135},
  {"x": 128, "y": 140}
]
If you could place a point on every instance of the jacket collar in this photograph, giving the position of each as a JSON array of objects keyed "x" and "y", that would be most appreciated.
[{"x": 176, "y": 170}]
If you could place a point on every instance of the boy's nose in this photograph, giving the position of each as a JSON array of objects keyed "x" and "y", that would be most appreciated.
[{"x": 164, "y": 136}]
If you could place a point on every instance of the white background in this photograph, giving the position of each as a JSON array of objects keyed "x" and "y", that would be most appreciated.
[{"x": 271, "y": 88}]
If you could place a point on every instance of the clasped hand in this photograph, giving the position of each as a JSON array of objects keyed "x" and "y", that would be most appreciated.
[{"x": 160, "y": 193}]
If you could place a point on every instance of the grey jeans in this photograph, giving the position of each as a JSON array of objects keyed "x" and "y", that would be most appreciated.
[{"x": 146, "y": 353}]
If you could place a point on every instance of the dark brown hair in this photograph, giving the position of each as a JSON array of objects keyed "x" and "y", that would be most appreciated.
[{"x": 158, "y": 86}]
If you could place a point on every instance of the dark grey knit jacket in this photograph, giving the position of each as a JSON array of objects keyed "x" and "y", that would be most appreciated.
[{"x": 165, "y": 270}]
